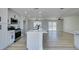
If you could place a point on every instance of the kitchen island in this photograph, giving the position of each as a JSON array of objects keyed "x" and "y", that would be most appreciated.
[{"x": 35, "y": 39}]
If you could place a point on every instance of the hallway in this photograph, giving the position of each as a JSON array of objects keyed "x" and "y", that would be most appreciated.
[{"x": 56, "y": 41}]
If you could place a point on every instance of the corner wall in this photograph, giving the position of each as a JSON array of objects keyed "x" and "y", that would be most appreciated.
[{"x": 71, "y": 24}]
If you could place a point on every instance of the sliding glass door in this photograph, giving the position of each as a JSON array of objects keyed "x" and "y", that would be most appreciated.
[{"x": 52, "y": 26}]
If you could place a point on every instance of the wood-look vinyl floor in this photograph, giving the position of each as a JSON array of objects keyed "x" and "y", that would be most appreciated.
[
  {"x": 18, "y": 45},
  {"x": 59, "y": 41},
  {"x": 52, "y": 41}
]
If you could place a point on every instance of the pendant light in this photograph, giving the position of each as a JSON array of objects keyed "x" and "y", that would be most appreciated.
[{"x": 61, "y": 16}]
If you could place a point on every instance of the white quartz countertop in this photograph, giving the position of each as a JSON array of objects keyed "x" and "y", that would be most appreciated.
[{"x": 43, "y": 31}]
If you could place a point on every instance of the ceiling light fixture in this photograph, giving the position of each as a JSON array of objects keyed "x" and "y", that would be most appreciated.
[
  {"x": 25, "y": 12},
  {"x": 36, "y": 8},
  {"x": 60, "y": 18},
  {"x": 61, "y": 8}
]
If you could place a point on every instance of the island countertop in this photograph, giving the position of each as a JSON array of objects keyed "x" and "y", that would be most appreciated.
[{"x": 43, "y": 31}]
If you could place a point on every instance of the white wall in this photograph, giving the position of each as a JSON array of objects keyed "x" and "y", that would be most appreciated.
[
  {"x": 45, "y": 24},
  {"x": 71, "y": 24},
  {"x": 4, "y": 42},
  {"x": 30, "y": 24}
]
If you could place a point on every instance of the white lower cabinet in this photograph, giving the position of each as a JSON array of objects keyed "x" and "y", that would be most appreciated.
[
  {"x": 34, "y": 40},
  {"x": 11, "y": 36},
  {"x": 76, "y": 40}
]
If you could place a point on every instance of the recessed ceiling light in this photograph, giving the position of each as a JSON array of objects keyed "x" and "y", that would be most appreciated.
[
  {"x": 25, "y": 12},
  {"x": 39, "y": 12}
]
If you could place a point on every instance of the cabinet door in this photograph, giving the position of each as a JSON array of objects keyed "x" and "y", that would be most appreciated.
[
  {"x": 34, "y": 41},
  {"x": 11, "y": 36},
  {"x": 76, "y": 41}
]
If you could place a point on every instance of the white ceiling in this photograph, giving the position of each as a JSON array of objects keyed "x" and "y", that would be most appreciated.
[{"x": 46, "y": 12}]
